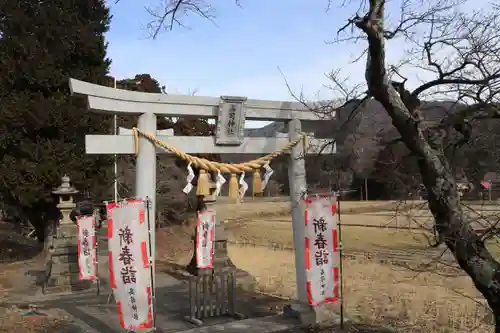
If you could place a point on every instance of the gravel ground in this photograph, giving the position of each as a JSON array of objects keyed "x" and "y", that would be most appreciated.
[
  {"x": 348, "y": 328},
  {"x": 31, "y": 320}
]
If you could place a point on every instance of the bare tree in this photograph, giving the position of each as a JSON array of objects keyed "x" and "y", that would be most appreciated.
[{"x": 460, "y": 49}]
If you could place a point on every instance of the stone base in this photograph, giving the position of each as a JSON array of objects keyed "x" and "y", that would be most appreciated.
[
  {"x": 66, "y": 289},
  {"x": 304, "y": 313},
  {"x": 64, "y": 272},
  {"x": 68, "y": 268},
  {"x": 245, "y": 281},
  {"x": 66, "y": 230},
  {"x": 324, "y": 314},
  {"x": 64, "y": 254},
  {"x": 330, "y": 313},
  {"x": 66, "y": 283},
  {"x": 255, "y": 325}
]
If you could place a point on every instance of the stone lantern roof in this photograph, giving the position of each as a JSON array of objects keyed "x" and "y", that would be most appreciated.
[{"x": 65, "y": 188}]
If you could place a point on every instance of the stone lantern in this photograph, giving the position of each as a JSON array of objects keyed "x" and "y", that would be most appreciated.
[
  {"x": 65, "y": 193},
  {"x": 64, "y": 270}
]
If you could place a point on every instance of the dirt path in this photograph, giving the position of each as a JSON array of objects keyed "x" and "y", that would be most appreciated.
[{"x": 19, "y": 259}]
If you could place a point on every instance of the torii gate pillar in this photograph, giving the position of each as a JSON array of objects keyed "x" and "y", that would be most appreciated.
[
  {"x": 145, "y": 173},
  {"x": 229, "y": 139}
]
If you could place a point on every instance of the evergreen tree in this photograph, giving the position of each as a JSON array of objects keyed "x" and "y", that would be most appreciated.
[{"x": 43, "y": 128}]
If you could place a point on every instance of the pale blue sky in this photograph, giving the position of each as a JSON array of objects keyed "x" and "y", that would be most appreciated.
[{"x": 241, "y": 54}]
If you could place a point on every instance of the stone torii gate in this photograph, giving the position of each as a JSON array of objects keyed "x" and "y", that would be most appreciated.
[{"x": 230, "y": 113}]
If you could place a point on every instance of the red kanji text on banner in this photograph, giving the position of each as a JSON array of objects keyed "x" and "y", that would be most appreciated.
[
  {"x": 109, "y": 217},
  {"x": 486, "y": 184},
  {"x": 322, "y": 250},
  {"x": 87, "y": 254},
  {"x": 130, "y": 275},
  {"x": 205, "y": 232}
]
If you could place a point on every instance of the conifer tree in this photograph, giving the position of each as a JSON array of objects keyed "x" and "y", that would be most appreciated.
[{"x": 42, "y": 127}]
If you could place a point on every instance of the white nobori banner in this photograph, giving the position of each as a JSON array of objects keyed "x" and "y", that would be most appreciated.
[
  {"x": 87, "y": 253},
  {"x": 129, "y": 268},
  {"x": 322, "y": 250},
  {"x": 205, "y": 233}
]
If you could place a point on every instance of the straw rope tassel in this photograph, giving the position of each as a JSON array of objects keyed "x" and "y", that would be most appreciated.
[
  {"x": 203, "y": 187},
  {"x": 233, "y": 186},
  {"x": 136, "y": 141},
  {"x": 212, "y": 166},
  {"x": 206, "y": 166},
  {"x": 257, "y": 182}
]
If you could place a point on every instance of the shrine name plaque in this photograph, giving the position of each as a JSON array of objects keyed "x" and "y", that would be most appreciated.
[{"x": 231, "y": 121}]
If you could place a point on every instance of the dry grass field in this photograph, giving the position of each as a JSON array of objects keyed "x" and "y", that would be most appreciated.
[{"x": 391, "y": 277}]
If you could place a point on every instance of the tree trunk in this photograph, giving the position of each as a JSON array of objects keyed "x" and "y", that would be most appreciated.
[
  {"x": 464, "y": 243},
  {"x": 496, "y": 314},
  {"x": 454, "y": 229}
]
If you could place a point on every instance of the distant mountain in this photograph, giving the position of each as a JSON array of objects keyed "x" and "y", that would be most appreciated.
[
  {"x": 371, "y": 121},
  {"x": 360, "y": 139}
]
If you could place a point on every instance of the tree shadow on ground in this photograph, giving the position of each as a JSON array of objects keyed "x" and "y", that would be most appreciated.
[
  {"x": 259, "y": 305},
  {"x": 348, "y": 328}
]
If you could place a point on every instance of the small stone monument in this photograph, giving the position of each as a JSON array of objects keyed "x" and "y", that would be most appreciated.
[
  {"x": 221, "y": 258},
  {"x": 222, "y": 261},
  {"x": 212, "y": 291},
  {"x": 63, "y": 275}
]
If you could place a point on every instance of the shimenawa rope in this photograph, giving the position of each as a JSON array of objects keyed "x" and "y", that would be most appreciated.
[{"x": 212, "y": 166}]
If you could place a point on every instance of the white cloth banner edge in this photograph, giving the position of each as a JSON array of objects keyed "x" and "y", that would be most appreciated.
[
  {"x": 144, "y": 321},
  {"x": 210, "y": 240},
  {"x": 92, "y": 247},
  {"x": 333, "y": 256}
]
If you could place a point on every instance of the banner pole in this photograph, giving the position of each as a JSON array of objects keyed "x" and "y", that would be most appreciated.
[
  {"x": 96, "y": 237},
  {"x": 151, "y": 266},
  {"x": 108, "y": 212},
  {"x": 340, "y": 265}
]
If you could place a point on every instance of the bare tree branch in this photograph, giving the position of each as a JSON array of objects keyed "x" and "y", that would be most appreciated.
[
  {"x": 469, "y": 70},
  {"x": 170, "y": 15}
]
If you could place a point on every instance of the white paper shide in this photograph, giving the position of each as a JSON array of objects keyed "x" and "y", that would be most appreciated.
[
  {"x": 322, "y": 251},
  {"x": 129, "y": 265},
  {"x": 205, "y": 232},
  {"x": 87, "y": 254}
]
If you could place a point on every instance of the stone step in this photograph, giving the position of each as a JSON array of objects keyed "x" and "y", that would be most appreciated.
[
  {"x": 58, "y": 269},
  {"x": 66, "y": 231},
  {"x": 64, "y": 261},
  {"x": 67, "y": 281},
  {"x": 64, "y": 241},
  {"x": 65, "y": 250},
  {"x": 61, "y": 289}
]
